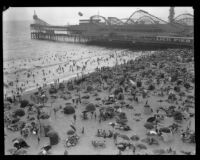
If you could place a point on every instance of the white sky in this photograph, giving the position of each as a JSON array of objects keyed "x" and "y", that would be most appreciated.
[{"x": 64, "y": 15}]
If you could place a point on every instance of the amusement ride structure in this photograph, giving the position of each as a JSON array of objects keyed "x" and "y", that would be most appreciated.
[{"x": 140, "y": 28}]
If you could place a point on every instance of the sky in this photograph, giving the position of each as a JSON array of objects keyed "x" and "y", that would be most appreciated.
[{"x": 69, "y": 15}]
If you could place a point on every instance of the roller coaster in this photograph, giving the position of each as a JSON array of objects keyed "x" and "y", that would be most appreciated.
[{"x": 140, "y": 27}]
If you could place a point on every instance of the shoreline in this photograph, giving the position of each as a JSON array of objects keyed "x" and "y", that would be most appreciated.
[{"x": 74, "y": 75}]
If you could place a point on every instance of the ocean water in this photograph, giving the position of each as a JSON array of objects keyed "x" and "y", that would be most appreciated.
[{"x": 23, "y": 55}]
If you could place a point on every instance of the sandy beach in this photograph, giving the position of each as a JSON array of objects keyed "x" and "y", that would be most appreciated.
[{"x": 135, "y": 86}]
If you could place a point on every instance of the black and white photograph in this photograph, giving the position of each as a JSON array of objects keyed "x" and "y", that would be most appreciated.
[{"x": 99, "y": 80}]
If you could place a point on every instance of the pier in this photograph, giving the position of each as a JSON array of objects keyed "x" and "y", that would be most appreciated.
[{"x": 147, "y": 30}]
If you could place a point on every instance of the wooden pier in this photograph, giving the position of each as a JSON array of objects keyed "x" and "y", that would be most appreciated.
[
  {"x": 160, "y": 34},
  {"x": 59, "y": 37}
]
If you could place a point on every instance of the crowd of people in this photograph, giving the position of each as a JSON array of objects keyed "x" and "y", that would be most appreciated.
[{"x": 158, "y": 87}]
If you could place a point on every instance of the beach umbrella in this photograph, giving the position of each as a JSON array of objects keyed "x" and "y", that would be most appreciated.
[
  {"x": 61, "y": 86},
  {"x": 90, "y": 107},
  {"x": 116, "y": 107},
  {"x": 151, "y": 119},
  {"x": 165, "y": 130},
  {"x": 141, "y": 146},
  {"x": 21, "y": 142},
  {"x": 70, "y": 132},
  {"x": 73, "y": 127},
  {"x": 124, "y": 137},
  {"x": 148, "y": 125},
  {"x": 69, "y": 110},
  {"x": 89, "y": 88},
  {"x": 24, "y": 103},
  {"x": 135, "y": 138},
  {"x": 53, "y": 137},
  {"x": 19, "y": 112},
  {"x": 177, "y": 115}
]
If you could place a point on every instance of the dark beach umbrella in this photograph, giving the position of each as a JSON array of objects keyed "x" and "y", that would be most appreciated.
[
  {"x": 73, "y": 127},
  {"x": 24, "y": 103},
  {"x": 124, "y": 137},
  {"x": 172, "y": 107},
  {"x": 61, "y": 86},
  {"x": 165, "y": 130},
  {"x": 151, "y": 119},
  {"x": 69, "y": 110},
  {"x": 53, "y": 137},
  {"x": 135, "y": 138},
  {"x": 177, "y": 115},
  {"x": 141, "y": 146},
  {"x": 19, "y": 112},
  {"x": 148, "y": 125},
  {"x": 70, "y": 132},
  {"x": 90, "y": 107},
  {"x": 21, "y": 142}
]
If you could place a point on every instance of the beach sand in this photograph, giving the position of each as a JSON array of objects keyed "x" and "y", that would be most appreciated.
[{"x": 61, "y": 123}]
